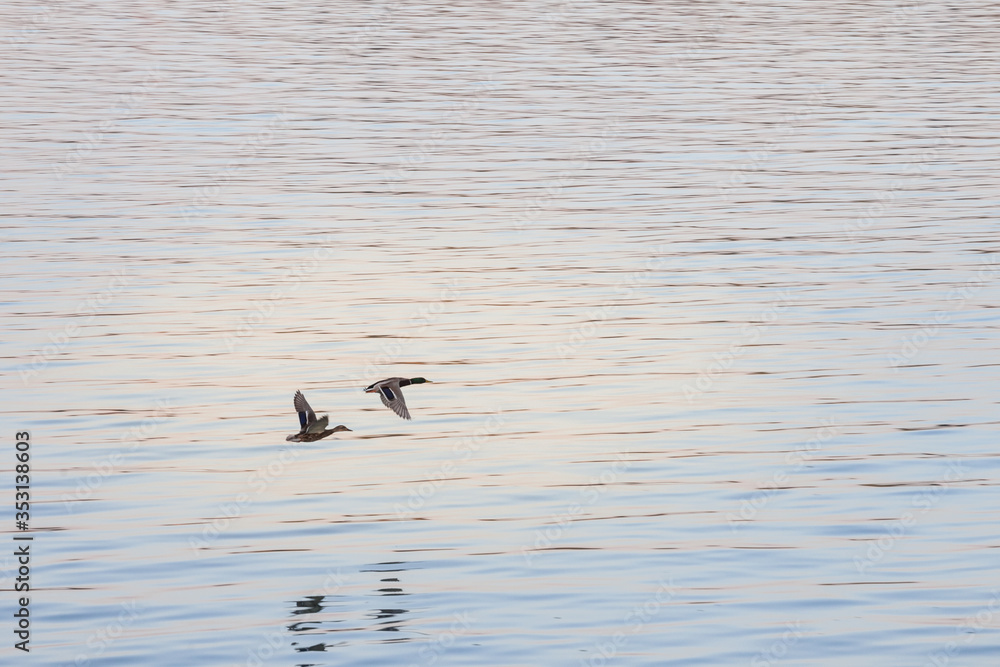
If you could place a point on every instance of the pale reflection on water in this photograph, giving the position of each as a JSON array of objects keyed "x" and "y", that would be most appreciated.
[{"x": 706, "y": 292}]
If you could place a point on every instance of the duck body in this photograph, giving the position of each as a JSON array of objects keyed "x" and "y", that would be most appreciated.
[
  {"x": 389, "y": 391},
  {"x": 311, "y": 428}
]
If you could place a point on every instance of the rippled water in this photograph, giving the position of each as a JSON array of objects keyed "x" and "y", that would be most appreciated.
[{"x": 706, "y": 292}]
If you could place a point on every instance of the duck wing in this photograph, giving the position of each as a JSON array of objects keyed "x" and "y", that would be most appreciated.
[
  {"x": 392, "y": 398},
  {"x": 319, "y": 425},
  {"x": 306, "y": 414}
]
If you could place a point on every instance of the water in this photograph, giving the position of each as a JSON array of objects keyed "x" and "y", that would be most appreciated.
[{"x": 705, "y": 292}]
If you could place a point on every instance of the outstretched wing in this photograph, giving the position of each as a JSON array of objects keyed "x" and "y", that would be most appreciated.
[
  {"x": 306, "y": 414},
  {"x": 392, "y": 398},
  {"x": 318, "y": 425}
]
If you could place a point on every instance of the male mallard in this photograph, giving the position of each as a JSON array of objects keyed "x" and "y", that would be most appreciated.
[
  {"x": 392, "y": 397},
  {"x": 312, "y": 429}
]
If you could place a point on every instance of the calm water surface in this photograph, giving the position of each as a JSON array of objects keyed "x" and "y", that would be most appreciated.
[{"x": 706, "y": 291}]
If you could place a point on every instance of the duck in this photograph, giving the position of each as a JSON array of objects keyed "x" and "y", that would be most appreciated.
[
  {"x": 312, "y": 429},
  {"x": 392, "y": 397}
]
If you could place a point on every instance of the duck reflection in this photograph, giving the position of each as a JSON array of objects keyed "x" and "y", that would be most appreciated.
[
  {"x": 320, "y": 614},
  {"x": 389, "y": 620}
]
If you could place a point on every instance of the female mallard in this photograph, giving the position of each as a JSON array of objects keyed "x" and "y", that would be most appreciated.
[
  {"x": 312, "y": 429},
  {"x": 392, "y": 397}
]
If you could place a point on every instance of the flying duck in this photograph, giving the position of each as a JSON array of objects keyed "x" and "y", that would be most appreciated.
[
  {"x": 392, "y": 397},
  {"x": 312, "y": 429}
]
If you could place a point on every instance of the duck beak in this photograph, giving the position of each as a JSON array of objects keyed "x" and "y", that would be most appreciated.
[{"x": 370, "y": 391}]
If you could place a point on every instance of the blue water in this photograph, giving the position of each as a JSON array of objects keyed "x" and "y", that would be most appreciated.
[{"x": 706, "y": 294}]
